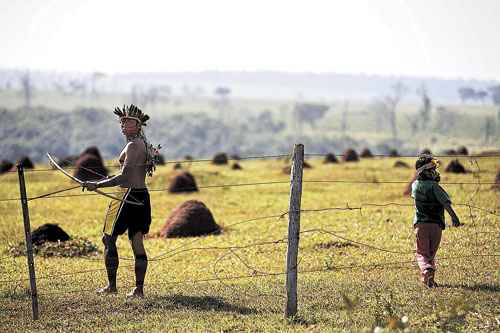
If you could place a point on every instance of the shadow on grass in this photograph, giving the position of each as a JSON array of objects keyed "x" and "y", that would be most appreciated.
[
  {"x": 204, "y": 303},
  {"x": 301, "y": 321},
  {"x": 490, "y": 288}
]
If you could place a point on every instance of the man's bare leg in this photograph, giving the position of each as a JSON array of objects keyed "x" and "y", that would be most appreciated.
[
  {"x": 141, "y": 264},
  {"x": 111, "y": 262}
]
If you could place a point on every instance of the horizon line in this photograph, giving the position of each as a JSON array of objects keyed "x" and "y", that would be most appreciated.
[{"x": 251, "y": 71}]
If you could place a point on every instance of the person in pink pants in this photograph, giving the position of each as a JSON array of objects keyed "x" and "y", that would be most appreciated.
[{"x": 431, "y": 200}]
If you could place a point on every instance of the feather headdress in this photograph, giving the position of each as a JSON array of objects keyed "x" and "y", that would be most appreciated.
[
  {"x": 132, "y": 112},
  {"x": 152, "y": 152}
]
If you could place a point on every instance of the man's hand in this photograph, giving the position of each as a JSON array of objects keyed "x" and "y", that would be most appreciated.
[
  {"x": 89, "y": 186},
  {"x": 456, "y": 222}
]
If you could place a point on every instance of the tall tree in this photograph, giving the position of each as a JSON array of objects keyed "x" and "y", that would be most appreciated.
[
  {"x": 466, "y": 93},
  {"x": 445, "y": 120},
  {"x": 164, "y": 93},
  {"x": 27, "y": 90},
  {"x": 425, "y": 108},
  {"x": 489, "y": 129},
  {"x": 379, "y": 108},
  {"x": 495, "y": 94},
  {"x": 343, "y": 121},
  {"x": 481, "y": 95},
  {"x": 136, "y": 95},
  {"x": 78, "y": 86},
  {"x": 498, "y": 123},
  {"x": 94, "y": 78},
  {"x": 413, "y": 120},
  {"x": 310, "y": 112},
  {"x": 392, "y": 101},
  {"x": 222, "y": 102}
]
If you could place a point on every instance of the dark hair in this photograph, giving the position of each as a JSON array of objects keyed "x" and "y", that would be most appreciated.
[
  {"x": 423, "y": 160},
  {"x": 429, "y": 174}
]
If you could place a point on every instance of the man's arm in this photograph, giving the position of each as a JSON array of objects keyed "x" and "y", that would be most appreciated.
[{"x": 131, "y": 153}]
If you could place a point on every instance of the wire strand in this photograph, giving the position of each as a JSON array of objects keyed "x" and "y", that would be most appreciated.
[
  {"x": 275, "y": 156},
  {"x": 50, "y": 195},
  {"x": 260, "y": 275},
  {"x": 166, "y": 163}
]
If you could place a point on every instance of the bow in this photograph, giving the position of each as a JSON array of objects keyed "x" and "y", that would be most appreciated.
[{"x": 54, "y": 163}]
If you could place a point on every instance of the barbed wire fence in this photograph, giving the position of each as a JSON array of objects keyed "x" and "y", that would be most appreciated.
[{"x": 294, "y": 212}]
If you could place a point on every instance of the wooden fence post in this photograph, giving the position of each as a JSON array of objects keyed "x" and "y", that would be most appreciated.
[
  {"x": 29, "y": 244},
  {"x": 294, "y": 229}
]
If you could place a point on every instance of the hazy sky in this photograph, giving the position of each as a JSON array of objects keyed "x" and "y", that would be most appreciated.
[{"x": 442, "y": 38}]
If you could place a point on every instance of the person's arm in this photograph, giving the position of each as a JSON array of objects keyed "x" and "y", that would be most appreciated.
[
  {"x": 444, "y": 199},
  {"x": 131, "y": 153},
  {"x": 454, "y": 218},
  {"x": 411, "y": 186}
]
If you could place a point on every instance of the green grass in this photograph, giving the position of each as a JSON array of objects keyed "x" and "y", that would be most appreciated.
[{"x": 347, "y": 291}]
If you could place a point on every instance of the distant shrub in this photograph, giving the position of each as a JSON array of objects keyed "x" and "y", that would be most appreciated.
[
  {"x": 236, "y": 166},
  {"x": 455, "y": 167},
  {"x": 90, "y": 167},
  {"x": 25, "y": 162},
  {"x": 160, "y": 159},
  {"x": 190, "y": 218},
  {"x": 93, "y": 150},
  {"x": 75, "y": 247},
  {"x": 235, "y": 157},
  {"x": 350, "y": 155},
  {"x": 5, "y": 166},
  {"x": 49, "y": 232},
  {"x": 393, "y": 153},
  {"x": 220, "y": 159},
  {"x": 366, "y": 153},
  {"x": 462, "y": 150},
  {"x": 450, "y": 152},
  {"x": 330, "y": 158},
  {"x": 426, "y": 151},
  {"x": 401, "y": 164},
  {"x": 183, "y": 182},
  {"x": 68, "y": 161}
]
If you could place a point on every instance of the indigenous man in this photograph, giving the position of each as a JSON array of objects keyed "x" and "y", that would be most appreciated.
[{"x": 133, "y": 212}]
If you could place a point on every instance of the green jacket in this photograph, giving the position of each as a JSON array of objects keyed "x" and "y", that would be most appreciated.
[{"x": 430, "y": 199}]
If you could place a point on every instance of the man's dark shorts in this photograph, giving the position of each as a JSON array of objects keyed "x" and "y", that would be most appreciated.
[{"x": 122, "y": 216}]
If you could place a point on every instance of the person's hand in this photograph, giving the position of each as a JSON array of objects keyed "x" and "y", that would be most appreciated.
[
  {"x": 455, "y": 221},
  {"x": 89, "y": 186}
]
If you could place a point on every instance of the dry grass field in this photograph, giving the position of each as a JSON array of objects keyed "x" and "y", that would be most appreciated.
[{"x": 356, "y": 266}]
